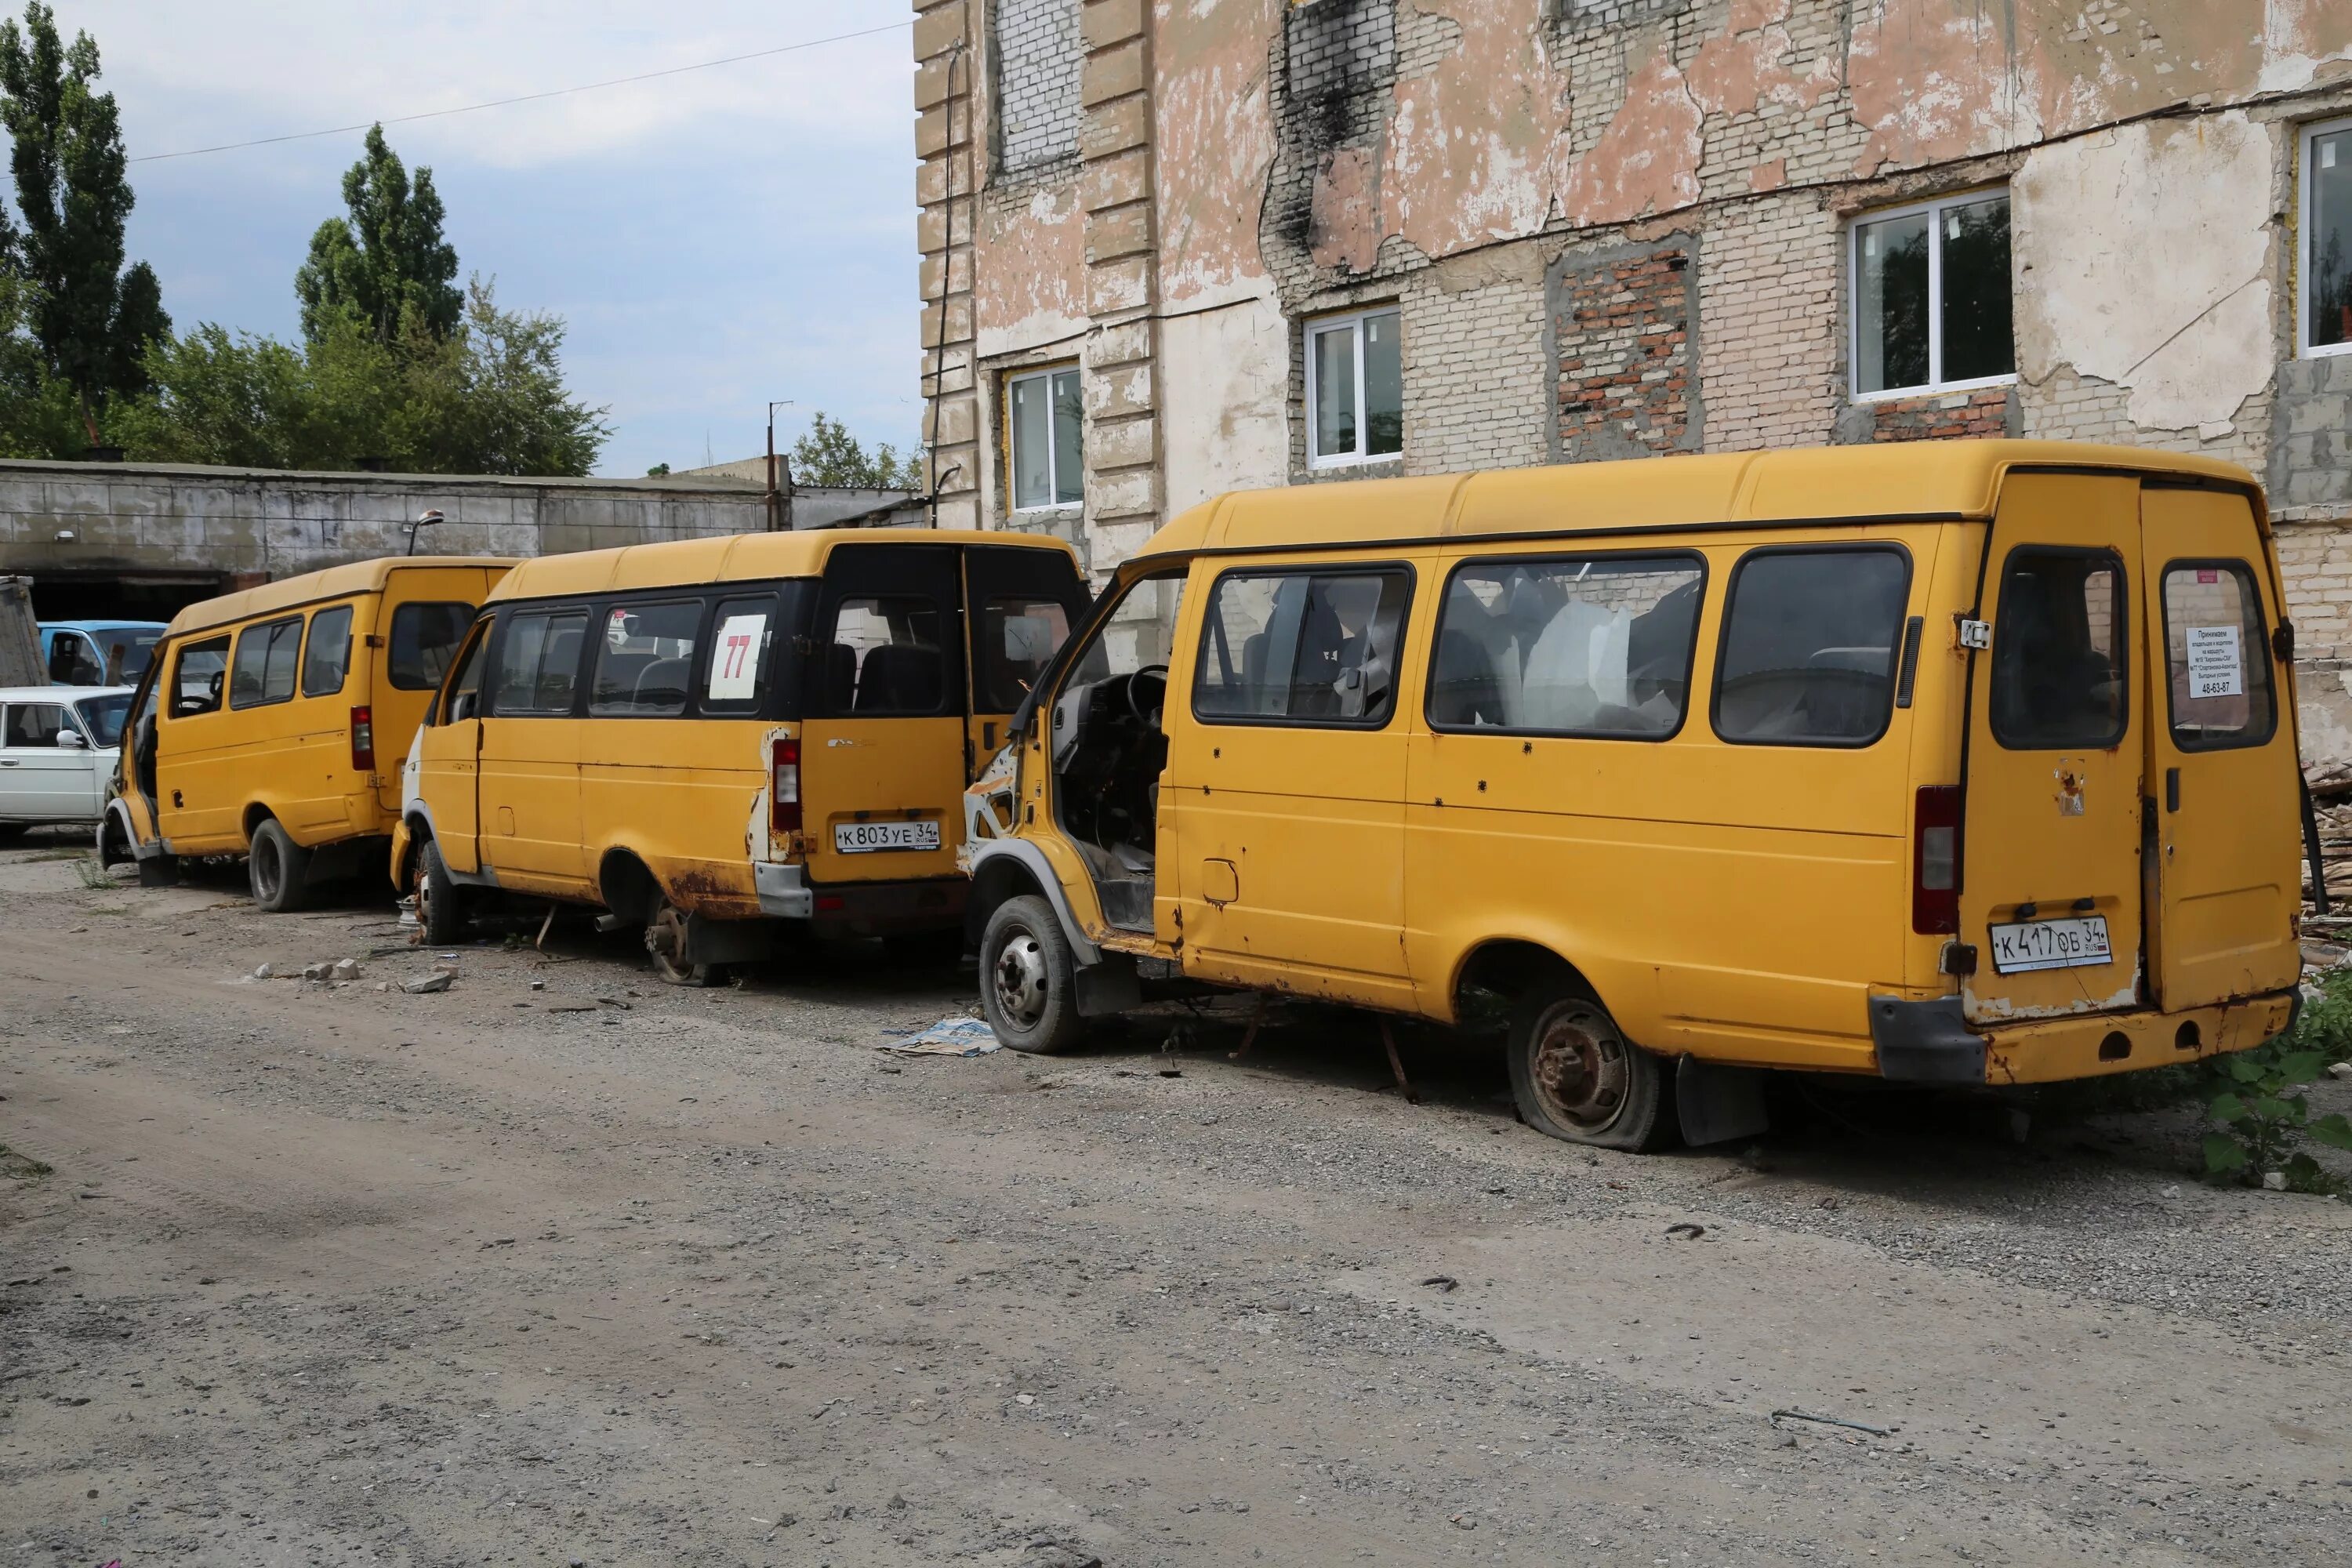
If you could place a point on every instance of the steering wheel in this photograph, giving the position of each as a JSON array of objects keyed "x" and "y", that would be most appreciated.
[{"x": 1135, "y": 706}]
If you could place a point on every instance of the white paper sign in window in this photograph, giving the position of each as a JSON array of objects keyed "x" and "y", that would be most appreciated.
[
  {"x": 2216, "y": 665},
  {"x": 735, "y": 658}
]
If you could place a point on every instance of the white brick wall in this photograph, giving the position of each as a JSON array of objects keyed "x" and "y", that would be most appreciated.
[
  {"x": 1040, "y": 55},
  {"x": 1475, "y": 366},
  {"x": 1768, "y": 285}
]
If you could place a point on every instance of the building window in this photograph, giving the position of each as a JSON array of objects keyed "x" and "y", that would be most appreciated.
[
  {"x": 1355, "y": 388},
  {"x": 1048, "y": 467},
  {"x": 2326, "y": 269},
  {"x": 1931, "y": 297}
]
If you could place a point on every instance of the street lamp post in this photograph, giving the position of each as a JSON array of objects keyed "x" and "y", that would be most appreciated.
[
  {"x": 775, "y": 497},
  {"x": 424, "y": 520}
]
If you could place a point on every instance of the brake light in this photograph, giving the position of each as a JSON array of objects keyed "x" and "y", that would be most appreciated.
[
  {"x": 1936, "y": 861},
  {"x": 785, "y": 786},
  {"x": 362, "y": 740}
]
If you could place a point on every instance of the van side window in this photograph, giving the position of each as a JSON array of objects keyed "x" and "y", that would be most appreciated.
[
  {"x": 1579, "y": 645},
  {"x": 885, "y": 657},
  {"x": 423, "y": 636},
  {"x": 739, "y": 637},
  {"x": 2059, "y": 675},
  {"x": 1301, "y": 648},
  {"x": 538, "y": 663},
  {"x": 644, "y": 660},
  {"x": 264, "y": 671},
  {"x": 197, "y": 674},
  {"x": 465, "y": 699},
  {"x": 2216, "y": 657},
  {"x": 1810, "y": 642},
  {"x": 326, "y": 658},
  {"x": 1018, "y": 636}
]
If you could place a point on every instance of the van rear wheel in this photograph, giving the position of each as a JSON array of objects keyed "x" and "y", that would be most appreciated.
[
  {"x": 278, "y": 868},
  {"x": 665, "y": 945},
  {"x": 440, "y": 902},
  {"x": 1028, "y": 978},
  {"x": 1576, "y": 1076}
]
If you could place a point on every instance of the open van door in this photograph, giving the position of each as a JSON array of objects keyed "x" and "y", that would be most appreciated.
[
  {"x": 2050, "y": 840},
  {"x": 882, "y": 745},
  {"x": 450, "y": 746},
  {"x": 1020, "y": 605},
  {"x": 2222, "y": 753}
]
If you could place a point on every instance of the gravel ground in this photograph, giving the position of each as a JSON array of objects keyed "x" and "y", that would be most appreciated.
[{"x": 561, "y": 1266}]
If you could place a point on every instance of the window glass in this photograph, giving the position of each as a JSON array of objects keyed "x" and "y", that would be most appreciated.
[
  {"x": 644, "y": 660},
  {"x": 1977, "y": 338},
  {"x": 2216, "y": 657},
  {"x": 1567, "y": 646},
  {"x": 1017, "y": 637},
  {"x": 423, "y": 638},
  {"x": 327, "y": 658},
  {"x": 197, "y": 676},
  {"x": 1334, "y": 349},
  {"x": 1311, "y": 647},
  {"x": 539, "y": 662},
  {"x": 2328, "y": 248},
  {"x": 1890, "y": 267},
  {"x": 1069, "y": 436},
  {"x": 884, "y": 658},
  {"x": 35, "y": 723},
  {"x": 73, "y": 662},
  {"x": 1810, "y": 640},
  {"x": 2058, "y": 669},
  {"x": 739, "y": 634},
  {"x": 466, "y": 687},
  {"x": 266, "y": 655},
  {"x": 102, "y": 716},
  {"x": 127, "y": 656},
  {"x": 1383, "y": 385},
  {"x": 1048, "y": 439}
]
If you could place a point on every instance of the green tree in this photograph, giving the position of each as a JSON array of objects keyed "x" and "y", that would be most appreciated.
[
  {"x": 827, "y": 454},
  {"x": 387, "y": 262},
  {"x": 93, "y": 321}
]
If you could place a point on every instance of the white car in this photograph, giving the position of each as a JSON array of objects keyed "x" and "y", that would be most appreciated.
[{"x": 57, "y": 750}]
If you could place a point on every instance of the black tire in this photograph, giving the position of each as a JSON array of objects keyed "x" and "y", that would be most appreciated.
[
  {"x": 1029, "y": 979},
  {"x": 114, "y": 843},
  {"x": 441, "y": 903},
  {"x": 665, "y": 945},
  {"x": 1578, "y": 1077},
  {"x": 278, "y": 868}
]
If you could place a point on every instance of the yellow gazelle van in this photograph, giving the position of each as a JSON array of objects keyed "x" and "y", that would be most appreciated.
[
  {"x": 258, "y": 725},
  {"x": 1951, "y": 763},
  {"x": 697, "y": 734}
]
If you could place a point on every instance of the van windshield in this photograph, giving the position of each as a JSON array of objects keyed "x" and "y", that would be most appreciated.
[{"x": 2058, "y": 677}]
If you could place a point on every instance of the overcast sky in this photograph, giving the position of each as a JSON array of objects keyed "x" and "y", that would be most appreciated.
[{"x": 713, "y": 240}]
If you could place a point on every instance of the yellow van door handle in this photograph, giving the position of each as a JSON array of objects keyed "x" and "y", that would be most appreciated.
[{"x": 1220, "y": 883}]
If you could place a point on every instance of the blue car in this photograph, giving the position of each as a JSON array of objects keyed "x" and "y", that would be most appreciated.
[{"x": 98, "y": 653}]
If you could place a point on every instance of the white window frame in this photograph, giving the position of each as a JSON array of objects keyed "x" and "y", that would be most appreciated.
[
  {"x": 1315, "y": 327},
  {"x": 2308, "y": 203},
  {"x": 1935, "y": 383},
  {"x": 1045, "y": 373}
]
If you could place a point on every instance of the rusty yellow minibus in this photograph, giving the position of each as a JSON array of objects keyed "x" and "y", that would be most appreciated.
[
  {"x": 260, "y": 724},
  {"x": 706, "y": 736},
  {"x": 1950, "y": 762}
]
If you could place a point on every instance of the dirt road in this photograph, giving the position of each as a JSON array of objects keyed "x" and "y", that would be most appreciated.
[{"x": 607, "y": 1273}]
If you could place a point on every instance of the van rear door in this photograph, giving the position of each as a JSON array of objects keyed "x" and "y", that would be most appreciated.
[
  {"x": 882, "y": 748},
  {"x": 2049, "y": 885},
  {"x": 2221, "y": 765},
  {"x": 1020, "y": 604}
]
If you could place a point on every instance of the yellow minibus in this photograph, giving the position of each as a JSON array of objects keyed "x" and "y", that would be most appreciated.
[
  {"x": 1965, "y": 762},
  {"x": 258, "y": 726},
  {"x": 706, "y": 736}
]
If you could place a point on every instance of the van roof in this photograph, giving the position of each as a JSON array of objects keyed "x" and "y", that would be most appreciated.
[
  {"x": 332, "y": 583},
  {"x": 726, "y": 558},
  {"x": 1912, "y": 479}
]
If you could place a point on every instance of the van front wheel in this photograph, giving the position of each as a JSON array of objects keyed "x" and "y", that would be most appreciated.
[
  {"x": 440, "y": 902},
  {"x": 1028, "y": 979},
  {"x": 279, "y": 869},
  {"x": 1576, "y": 1076}
]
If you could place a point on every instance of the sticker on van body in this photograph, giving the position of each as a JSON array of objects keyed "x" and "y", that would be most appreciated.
[
  {"x": 735, "y": 658},
  {"x": 2217, "y": 666}
]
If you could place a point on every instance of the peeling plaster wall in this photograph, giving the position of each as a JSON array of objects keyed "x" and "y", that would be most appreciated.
[
  {"x": 1215, "y": 127},
  {"x": 1029, "y": 286},
  {"x": 1226, "y": 372}
]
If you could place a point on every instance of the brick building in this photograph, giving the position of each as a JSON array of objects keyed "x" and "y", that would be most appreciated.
[{"x": 1176, "y": 247}]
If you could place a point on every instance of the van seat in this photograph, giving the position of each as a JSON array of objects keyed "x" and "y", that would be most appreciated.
[
  {"x": 899, "y": 678},
  {"x": 840, "y": 678}
]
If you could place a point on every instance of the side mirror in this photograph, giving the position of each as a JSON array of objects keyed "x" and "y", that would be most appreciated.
[{"x": 71, "y": 741}]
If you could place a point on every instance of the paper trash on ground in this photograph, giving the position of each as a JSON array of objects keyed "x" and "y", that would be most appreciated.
[{"x": 947, "y": 1037}]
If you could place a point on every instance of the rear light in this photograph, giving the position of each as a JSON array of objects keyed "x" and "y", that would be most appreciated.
[
  {"x": 362, "y": 740},
  {"x": 785, "y": 786},
  {"x": 1936, "y": 861}
]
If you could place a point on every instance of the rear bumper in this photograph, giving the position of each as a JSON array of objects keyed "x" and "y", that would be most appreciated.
[
  {"x": 1928, "y": 1042},
  {"x": 860, "y": 909}
]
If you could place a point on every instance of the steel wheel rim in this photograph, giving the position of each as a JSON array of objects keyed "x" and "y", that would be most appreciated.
[
  {"x": 666, "y": 941},
  {"x": 1580, "y": 1067},
  {"x": 1019, "y": 976}
]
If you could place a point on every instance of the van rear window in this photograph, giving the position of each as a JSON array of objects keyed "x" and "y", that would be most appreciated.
[
  {"x": 1810, "y": 643},
  {"x": 423, "y": 636},
  {"x": 2059, "y": 675},
  {"x": 1572, "y": 646},
  {"x": 2216, "y": 657}
]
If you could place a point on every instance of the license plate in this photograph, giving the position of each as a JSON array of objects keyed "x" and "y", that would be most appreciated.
[
  {"x": 2051, "y": 944},
  {"x": 867, "y": 837}
]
